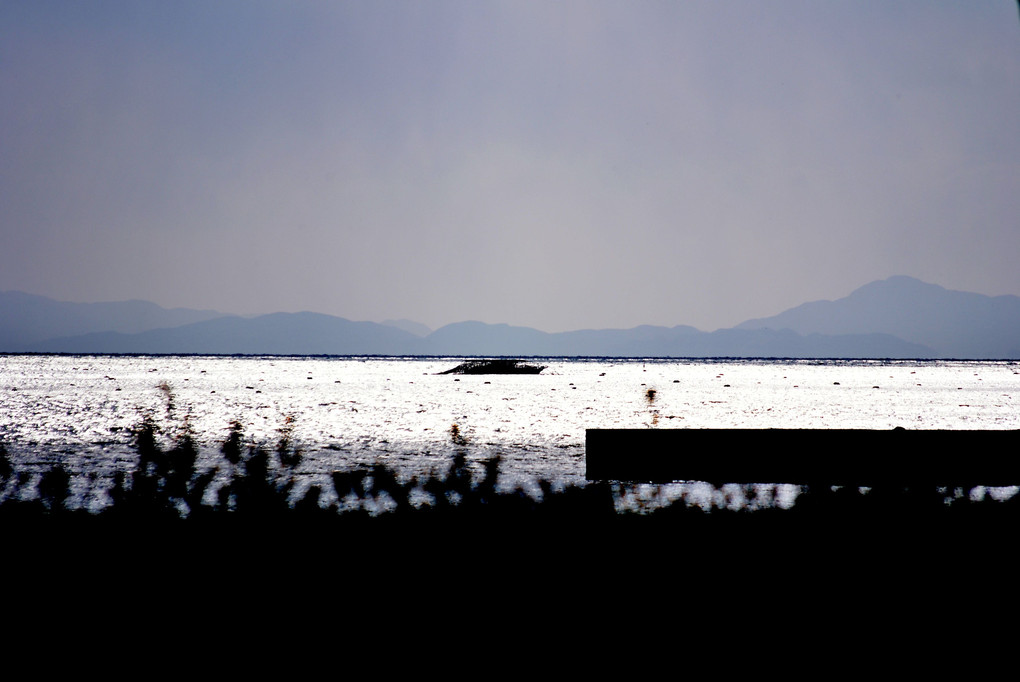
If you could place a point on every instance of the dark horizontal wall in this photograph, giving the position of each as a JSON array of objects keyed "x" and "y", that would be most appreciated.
[{"x": 805, "y": 456}]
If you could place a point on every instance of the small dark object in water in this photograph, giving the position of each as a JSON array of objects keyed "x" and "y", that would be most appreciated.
[{"x": 494, "y": 367}]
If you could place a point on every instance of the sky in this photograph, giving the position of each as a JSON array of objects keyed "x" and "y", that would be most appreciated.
[{"x": 559, "y": 165}]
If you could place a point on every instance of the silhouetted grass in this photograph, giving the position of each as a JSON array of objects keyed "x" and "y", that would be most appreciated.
[
  {"x": 253, "y": 483},
  {"x": 239, "y": 528},
  {"x": 252, "y": 486}
]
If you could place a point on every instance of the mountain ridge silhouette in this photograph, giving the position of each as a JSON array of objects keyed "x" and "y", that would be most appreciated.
[{"x": 899, "y": 317}]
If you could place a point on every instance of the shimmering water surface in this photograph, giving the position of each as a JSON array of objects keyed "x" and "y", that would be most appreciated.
[{"x": 347, "y": 412}]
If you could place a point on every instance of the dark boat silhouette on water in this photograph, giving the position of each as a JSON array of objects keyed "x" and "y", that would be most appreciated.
[{"x": 500, "y": 366}]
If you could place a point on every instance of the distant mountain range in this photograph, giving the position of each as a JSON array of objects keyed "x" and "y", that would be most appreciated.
[{"x": 899, "y": 317}]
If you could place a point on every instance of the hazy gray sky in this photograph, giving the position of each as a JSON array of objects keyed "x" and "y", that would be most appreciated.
[{"x": 560, "y": 165}]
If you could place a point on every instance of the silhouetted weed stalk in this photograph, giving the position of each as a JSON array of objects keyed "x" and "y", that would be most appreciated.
[{"x": 456, "y": 437}]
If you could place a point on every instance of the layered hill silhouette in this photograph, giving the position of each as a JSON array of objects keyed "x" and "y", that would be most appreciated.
[
  {"x": 954, "y": 324},
  {"x": 27, "y": 319},
  {"x": 275, "y": 334},
  {"x": 900, "y": 317}
]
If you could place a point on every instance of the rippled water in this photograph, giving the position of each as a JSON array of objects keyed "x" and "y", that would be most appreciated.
[{"x": 347, "y": 412}]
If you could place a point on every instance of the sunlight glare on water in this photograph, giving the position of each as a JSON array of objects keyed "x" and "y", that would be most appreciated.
[{"x": 348, "y": 412}]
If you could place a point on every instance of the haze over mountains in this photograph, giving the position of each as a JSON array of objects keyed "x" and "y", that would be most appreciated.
[{"x": 899, "y": 317}]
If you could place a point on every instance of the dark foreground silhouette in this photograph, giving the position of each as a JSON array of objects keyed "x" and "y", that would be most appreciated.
[
  {"x": 174, "y": 533},
  {"x": 818, "y": 458},
  {"x": 252, "y": 487}
]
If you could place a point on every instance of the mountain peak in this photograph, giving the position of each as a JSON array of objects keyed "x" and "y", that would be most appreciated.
[
  {"x": 897, "y": 283},
  {"x": 954, "y": 323}
]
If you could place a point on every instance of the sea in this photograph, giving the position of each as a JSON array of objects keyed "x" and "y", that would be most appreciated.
[{"x": 343, "y": 413}]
